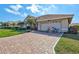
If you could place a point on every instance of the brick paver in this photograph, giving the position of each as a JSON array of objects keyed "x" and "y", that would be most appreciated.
[{"x": 29, "y": 43}]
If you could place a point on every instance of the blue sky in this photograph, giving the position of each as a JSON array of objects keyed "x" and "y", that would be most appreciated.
[{"x": 17, "y": 12}]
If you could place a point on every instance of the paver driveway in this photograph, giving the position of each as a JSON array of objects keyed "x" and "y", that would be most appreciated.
[{"x": 32, "y": 42}]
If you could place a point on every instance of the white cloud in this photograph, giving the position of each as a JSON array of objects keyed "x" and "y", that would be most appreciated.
[
  {"x": 16, "y": 7},
  {"x": 48, "y": 9},
  {"x": 24, "y": 14},
  {"x": 53, "y": 6},
  {"x": 34, "y": 8},
  {"x": 11, "y": 11}
]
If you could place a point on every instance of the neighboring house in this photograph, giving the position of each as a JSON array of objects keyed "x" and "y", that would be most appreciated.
[
  {"x": 14, "y": 24},
  {"x": 74, "y": 24},
  {"x": 21, "y": 25},
  {"x": 50, "y": 21}
]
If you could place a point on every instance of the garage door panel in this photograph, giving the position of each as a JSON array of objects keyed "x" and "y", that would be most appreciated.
[
  {"x": 55, "y": 25},
  {"x": 44, "y": 27}
]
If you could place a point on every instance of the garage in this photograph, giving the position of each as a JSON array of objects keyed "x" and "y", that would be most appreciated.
[{"x": 59, "y": 23}]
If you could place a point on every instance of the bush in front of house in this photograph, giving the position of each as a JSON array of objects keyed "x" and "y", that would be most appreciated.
[
  {"x": 73, "y": 30},
  {"x": 21, "y": 28},
  {"x": 14, "y": 28}
]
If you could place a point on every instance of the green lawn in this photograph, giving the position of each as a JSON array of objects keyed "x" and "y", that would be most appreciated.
[
  {"x": 9, "y": 32},
  {"x": 68, "y": 44}
]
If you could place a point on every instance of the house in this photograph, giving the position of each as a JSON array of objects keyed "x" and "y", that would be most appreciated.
[
  {"x": 50, "y": 21},
  {"x": 74, "y": 24}
]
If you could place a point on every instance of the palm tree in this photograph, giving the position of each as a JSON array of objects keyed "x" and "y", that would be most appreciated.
[{"x": 31, "y": 21}]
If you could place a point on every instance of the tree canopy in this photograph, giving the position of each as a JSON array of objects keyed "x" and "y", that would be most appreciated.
[{"x": 30, "y": 20}]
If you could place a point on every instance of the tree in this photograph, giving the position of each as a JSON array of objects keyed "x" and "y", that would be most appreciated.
[{"x": 31, "y": 21}]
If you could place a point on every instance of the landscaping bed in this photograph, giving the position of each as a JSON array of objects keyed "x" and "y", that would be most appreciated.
[{"x": 68, "y": 44}]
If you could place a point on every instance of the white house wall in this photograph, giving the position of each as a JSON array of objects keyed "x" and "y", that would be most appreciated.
[
  {"x": 64, "y": 25},
  {"x": 39, "y": 26}
]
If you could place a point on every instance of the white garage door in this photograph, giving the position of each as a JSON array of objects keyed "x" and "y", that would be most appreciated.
[
  {"x": 44, "y": 27},
  {"x": 56, "y": 25}
]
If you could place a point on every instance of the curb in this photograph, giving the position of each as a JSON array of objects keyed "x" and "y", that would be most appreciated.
[{"x": 56, "y": 44}]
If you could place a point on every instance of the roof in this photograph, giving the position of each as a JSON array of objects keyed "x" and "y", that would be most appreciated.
[{"x": 54, "y": 16}]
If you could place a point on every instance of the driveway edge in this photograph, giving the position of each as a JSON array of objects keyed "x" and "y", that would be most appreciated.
[{"x": 56, "y": 44}]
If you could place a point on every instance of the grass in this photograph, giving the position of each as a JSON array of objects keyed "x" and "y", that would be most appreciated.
[
  {"x": 9, "y": 32},
  {"x": 77, "y": 27},
  {"x": 68, "y": 44}
]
